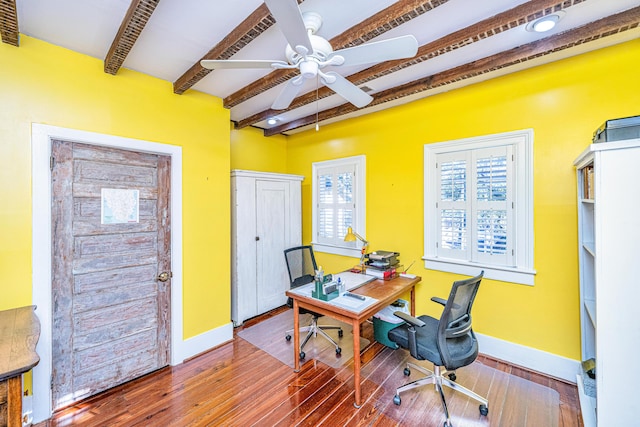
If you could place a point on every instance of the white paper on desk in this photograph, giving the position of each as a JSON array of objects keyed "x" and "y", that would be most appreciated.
[
  {"x": 304, "y": 290},
  {"x": 352, "y": 280},
  {"x": 353, "y": 304}
]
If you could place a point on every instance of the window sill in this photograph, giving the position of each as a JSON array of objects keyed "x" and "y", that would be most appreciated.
[
  {"x": 504, "y": 274},
  {"x": 336, "y": 250}
]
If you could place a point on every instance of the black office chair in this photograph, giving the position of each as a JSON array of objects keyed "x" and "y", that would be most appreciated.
[
  {"x": 448, "y": 342},
  {"x": 301, "y": 265}
]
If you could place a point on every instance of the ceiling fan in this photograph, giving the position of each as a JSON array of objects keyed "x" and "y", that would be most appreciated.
[{"x": 310, "y": 53}]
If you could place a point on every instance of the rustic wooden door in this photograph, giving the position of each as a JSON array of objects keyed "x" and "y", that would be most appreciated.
[
  {"x": 273, "y": 231},
  {"x": 111, "y": 241}
]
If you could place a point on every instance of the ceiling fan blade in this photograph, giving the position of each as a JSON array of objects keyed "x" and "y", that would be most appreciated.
[
  {"x": 347, "y": 90},
  {"x": 289, "y": 19},
  {"x": 384, "y": 50},
  {"x": 288, "y": 94},
  {"x": 217, "y": 64}
]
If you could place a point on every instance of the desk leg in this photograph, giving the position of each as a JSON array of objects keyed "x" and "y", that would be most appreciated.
[
  {"x": 14, "y": 401},
  {"x": 413, "y": 301},
  {"x": 356, "y": 362},
  {"x": 296, "y": 336}
]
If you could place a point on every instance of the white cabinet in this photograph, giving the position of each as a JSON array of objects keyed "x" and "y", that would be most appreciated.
[
  {"x": 609, "y": 256},
  {"x": 266, "y": 219}
]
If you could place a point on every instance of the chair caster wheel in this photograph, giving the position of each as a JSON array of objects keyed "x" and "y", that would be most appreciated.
[
  {"x": 302, "y": 355},
  {"x": 484, "y": 410},
  {"x": 338, "y": 350},
  {"x": 452, "y": 376},
  {"x": 407, "y": 372},
  {"x": 287, "y": 337},
  {"x": 397, "y": 400},
  {"x": 340, "y": 333}
]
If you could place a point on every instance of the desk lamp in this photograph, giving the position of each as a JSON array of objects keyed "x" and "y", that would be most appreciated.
[{"x": 351, "y": 236}]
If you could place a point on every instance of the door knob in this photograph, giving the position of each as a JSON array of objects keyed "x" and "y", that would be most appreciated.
[{"x": 164, "y": 276}]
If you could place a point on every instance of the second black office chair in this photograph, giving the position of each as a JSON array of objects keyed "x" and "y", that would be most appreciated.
[
  {"x": 301, "y": 265},
  {"x": 448, "y": 342}
]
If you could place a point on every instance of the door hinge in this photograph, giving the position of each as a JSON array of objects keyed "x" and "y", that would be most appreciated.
[
  {"x": 52, "y": 162},
  {"x": 51, "y": 383}
]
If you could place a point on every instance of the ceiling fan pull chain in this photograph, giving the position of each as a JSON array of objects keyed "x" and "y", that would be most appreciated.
[{"x": 317, "y": 103}]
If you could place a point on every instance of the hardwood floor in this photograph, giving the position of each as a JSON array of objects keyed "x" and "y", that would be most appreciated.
[{"x": 237, "y": 384}]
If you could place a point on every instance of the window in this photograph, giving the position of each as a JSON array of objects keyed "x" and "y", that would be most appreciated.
[
  {"x": 479, "y": 206},
  {"x": 338, "y": 203}
]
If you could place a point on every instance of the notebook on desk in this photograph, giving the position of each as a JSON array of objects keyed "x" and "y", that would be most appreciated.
[
  {"x": 353, "y": 280},
  {"x": 353, "y": 304}
]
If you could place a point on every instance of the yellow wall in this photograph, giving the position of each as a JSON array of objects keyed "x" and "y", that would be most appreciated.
[
  {"x": 250, "y": 150},
  {"x": 563, "y": 103},
  {"x": 42, "y": 83}
]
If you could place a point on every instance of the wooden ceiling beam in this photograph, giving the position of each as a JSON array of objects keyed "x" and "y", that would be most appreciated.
[
  {"x": 9, "y": 22},
  {"x": 254, "y": 25},
  {"x": 249, "y": 29},
  {"x": 383, "y": 21},
  {"x": 131, "y": 26},
  {"x": 519, "y": 15},
  {"x": 604, "y": 27}
]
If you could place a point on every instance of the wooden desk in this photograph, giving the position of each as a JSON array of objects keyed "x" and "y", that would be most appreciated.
[
  {"x": 385, "y": 291},
  {"x": 19, "y": 333}
]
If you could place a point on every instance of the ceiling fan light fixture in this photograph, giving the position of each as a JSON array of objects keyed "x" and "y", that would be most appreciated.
[
  {"x": 309, "y": 69},
  {"x": 546, "y": 23},
  {"x": 272, "y": 121}
]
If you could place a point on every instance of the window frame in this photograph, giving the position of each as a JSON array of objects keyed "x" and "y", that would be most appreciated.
[
  {"x": 341, "y": 247},
  {"x": 521, "y": 142}
]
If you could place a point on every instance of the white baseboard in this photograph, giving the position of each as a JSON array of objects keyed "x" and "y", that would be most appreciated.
[
  {"x": 528, "y": 357},
  {"x": 27, "y": 409},
  {"x": 203, "y": 342}
]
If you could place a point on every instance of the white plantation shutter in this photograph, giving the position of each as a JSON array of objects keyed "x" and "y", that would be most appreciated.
[
  {"x": 493, "y": 210},
  {"x": 473, "y": 221},
  {"x": 338, "y": 203},
  {"x": 453, "y": 206}
]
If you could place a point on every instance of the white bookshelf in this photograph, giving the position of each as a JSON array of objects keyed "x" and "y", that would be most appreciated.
[{"x": 609, "y": 257}]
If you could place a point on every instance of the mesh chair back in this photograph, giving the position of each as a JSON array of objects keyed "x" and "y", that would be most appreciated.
[
  {"x": 456, "y": 341},
  {"x": 301, "y": 265}
]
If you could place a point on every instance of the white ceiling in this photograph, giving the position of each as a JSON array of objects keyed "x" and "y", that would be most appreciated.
[{"x": 180, "y": 32}]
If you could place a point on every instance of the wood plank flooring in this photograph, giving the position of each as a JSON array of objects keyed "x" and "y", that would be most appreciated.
[{"x": 238, "y": 384}]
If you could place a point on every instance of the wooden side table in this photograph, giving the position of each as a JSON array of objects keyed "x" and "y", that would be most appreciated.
[{"x": 19, "y": 334}]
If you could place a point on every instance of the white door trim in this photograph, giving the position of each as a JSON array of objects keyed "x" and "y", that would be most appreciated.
[{"x": 41, "y": 136}]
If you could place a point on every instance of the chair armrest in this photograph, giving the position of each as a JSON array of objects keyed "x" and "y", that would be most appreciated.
[
  {"x": 443, "y": 302},
  {"x": 411, "y": 331},
  {"x": 409, "y": 319},
  {"x": 439, "y": 300}
]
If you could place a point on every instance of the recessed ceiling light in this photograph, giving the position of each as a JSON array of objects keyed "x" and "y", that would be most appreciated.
[
  {"x": 545, "y": 23},
  {"x": 272, "y": 121}
]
